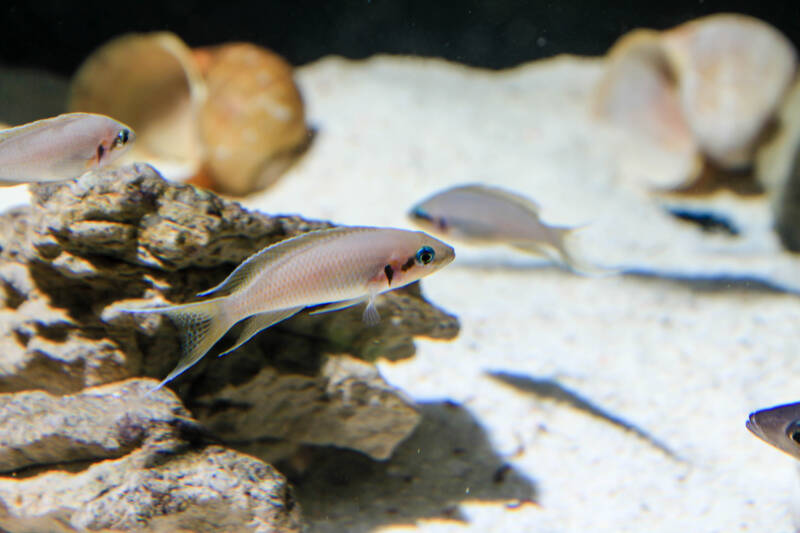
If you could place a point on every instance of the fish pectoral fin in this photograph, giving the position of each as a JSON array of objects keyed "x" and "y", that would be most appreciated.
[
  {"x": 252, "y": 325},
  {"x": 335, "y": 306},
  {"x": 371, "y": 316}
]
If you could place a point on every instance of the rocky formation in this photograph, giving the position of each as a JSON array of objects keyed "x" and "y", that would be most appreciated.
[{"x": 86, "y": 247}]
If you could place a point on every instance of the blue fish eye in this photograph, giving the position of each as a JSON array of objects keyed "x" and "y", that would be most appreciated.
[{"x": 425, "y": 255}]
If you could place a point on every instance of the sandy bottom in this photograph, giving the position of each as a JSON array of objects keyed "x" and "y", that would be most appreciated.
[{"x": 567, "y": 403}]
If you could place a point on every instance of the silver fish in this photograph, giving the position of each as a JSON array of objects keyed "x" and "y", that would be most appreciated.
[
  {"x": 778, "y": 426},
  {"x": 62, "y": 147},
  {"x": 480, "y": 214},
  {"x": 340, "y": 267}
]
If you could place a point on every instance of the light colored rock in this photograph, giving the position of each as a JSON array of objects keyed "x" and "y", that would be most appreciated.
[
  {"x": 87, "y": 247},
  {"x": 37, "y": 428},
  {"x": 207, "y": 490}
]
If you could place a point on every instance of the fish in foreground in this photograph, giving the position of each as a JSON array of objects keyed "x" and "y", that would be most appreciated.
[
  {"x": 778, "y": 426},
  {"x": 480, "y": 214},
  {"x": 339, "y": 267},
  {"x": 61, "y": 148}
]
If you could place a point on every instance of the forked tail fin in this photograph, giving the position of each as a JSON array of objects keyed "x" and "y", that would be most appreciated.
[
  {"x": 202, "y": 324},
  {"x": 561, "y": 250}
]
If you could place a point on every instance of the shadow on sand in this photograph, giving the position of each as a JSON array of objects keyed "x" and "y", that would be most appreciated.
[
  {"x": 550, "y": 389},
  {"x": 446, "y": 461}
]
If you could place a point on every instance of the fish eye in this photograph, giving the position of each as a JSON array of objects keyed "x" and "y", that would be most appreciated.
[
  {"x": 122, "y": 137},
  {"x": 793, "y": 431},
  {"x": 425, "y": 255}
]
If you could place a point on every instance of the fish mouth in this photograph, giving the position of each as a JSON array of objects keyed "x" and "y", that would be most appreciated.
[
  {"x": 753, "y": 426},
  {"x": 419, "y": 214}
]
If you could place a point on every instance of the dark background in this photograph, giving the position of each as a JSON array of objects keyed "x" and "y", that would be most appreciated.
[{"x": 58, "y": 34}]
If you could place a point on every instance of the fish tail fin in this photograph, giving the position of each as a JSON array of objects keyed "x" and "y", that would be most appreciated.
[
  {"x": 202, "y": 324},
  {"x": 562, "y": 250}
]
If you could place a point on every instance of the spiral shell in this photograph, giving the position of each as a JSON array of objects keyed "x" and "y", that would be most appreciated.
[
  {"x": 733, "y": 72},
  {"x": 252, "y": 123}
]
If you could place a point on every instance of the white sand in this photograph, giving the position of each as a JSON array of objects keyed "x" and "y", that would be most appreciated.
[{"x": 682, "y": 362}]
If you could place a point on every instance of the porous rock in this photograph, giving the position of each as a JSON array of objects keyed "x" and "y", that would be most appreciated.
[
  {"x": 207, "y": 489},
  {"x": 89, "y": 246},
  {"x": 352, "y": 407},
  {"x": 103, "y": 422}
]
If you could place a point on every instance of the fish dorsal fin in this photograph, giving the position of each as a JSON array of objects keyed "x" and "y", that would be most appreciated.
[
  {"x": 32, "y": 127},
  {"x": 503, "y": 194},
  {"x": 253, "y": 265}
]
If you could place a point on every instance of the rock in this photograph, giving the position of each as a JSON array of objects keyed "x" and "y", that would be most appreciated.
[
  {"x": 347, "y": 405},
  {"x": 99, "y": 423},
  {"x": 88, "y": 246},
  {"x": 208, "y": 489},
  {"x": 112, "y": 456},
  {"x": 778, "y": 169}
]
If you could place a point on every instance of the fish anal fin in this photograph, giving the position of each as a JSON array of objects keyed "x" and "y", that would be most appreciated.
[{"x": 261, "y": 321}]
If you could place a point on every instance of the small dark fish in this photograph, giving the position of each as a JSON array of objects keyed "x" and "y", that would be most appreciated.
[{"x": 778, "y": 426}]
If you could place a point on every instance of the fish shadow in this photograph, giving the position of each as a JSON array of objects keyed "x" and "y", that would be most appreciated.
[
  {"x": 713, "y": 283},
  {"x": 446, "y": 461},
  {"x": 550, "y": 389}
]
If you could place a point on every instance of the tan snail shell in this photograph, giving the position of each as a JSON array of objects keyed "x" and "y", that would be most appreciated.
[
  {"x": 704, "y": 91},
  {"x": 637, "y": 94},
  {"x": 732, "y": 73},
  {"x": 252, "y": 123},
  {"x": 229, "y": 116},
  {"x": 638, "y": 91}
]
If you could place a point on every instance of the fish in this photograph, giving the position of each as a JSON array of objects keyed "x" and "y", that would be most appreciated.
[
  {"x": 778, "y": 426},
  {"x": 485, "y": 215},
  {"x": 338, "y": 267},
  {"x": 61, "y": 148}
]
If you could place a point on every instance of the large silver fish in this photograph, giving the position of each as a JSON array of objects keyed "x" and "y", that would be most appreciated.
[
  {"x": 60, "y": 148},
  {"x": 778, "y": 426},
  {"x": 340, "y": 267},
  {"x": 480, "y": 214}
]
